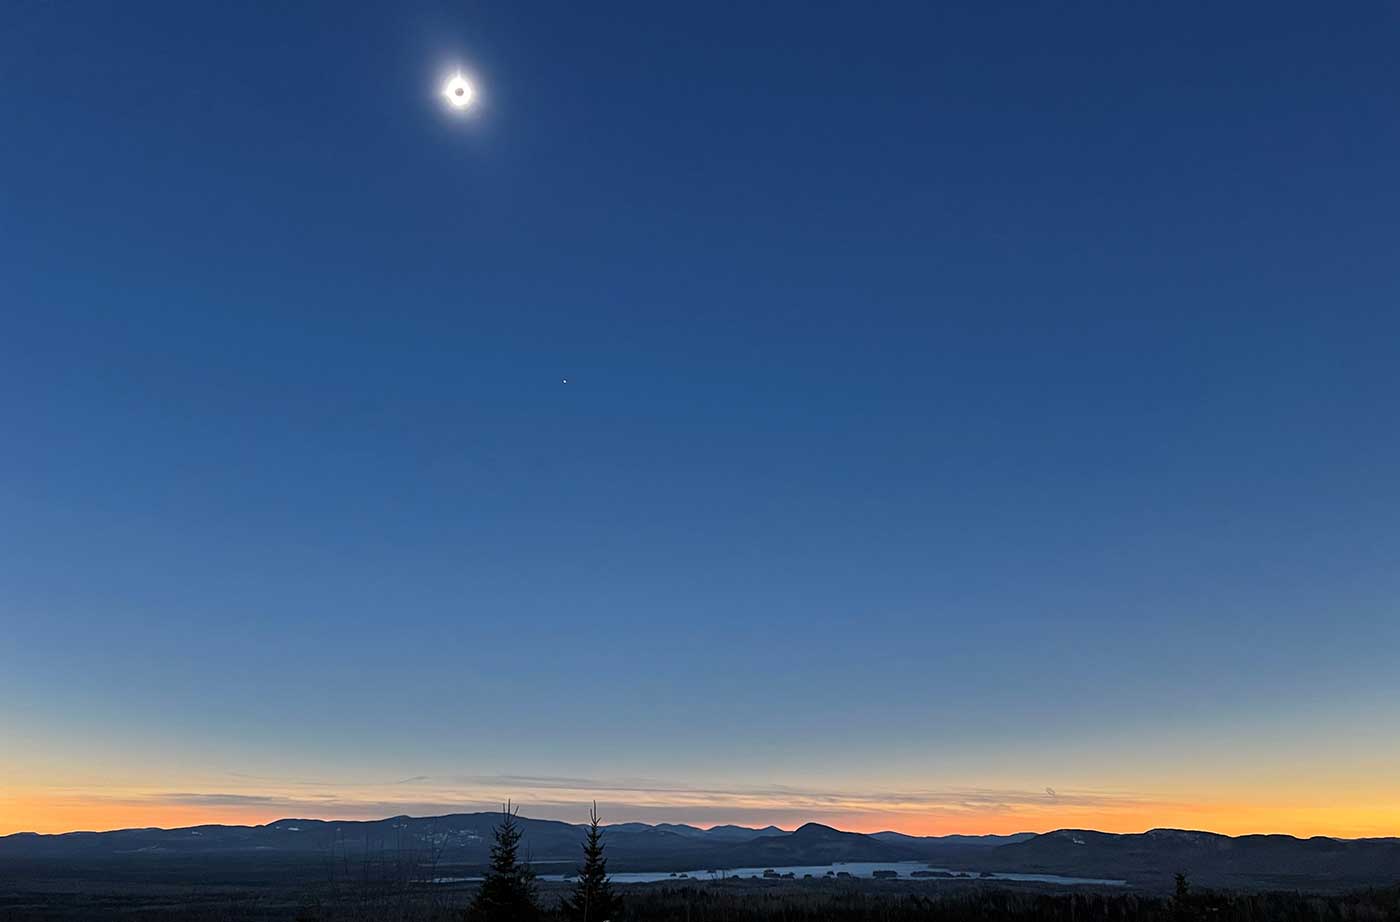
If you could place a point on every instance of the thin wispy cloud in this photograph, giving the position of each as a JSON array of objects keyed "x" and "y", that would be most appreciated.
[
  {"x": 637, "y": 798},
  {"x": 667, "y": 792},
  {"x": 217, "y": 800}
]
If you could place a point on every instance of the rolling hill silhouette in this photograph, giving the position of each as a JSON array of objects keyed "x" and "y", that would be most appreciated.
[{"x": 463, "y": 839}]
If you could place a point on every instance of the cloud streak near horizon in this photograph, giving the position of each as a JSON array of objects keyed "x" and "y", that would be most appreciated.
[{"x": 631, "y": 798}]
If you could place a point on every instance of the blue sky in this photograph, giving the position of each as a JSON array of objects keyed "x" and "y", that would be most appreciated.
[{"x": 961, "y": 397}]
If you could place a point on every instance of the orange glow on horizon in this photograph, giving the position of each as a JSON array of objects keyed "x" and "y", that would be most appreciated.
[
  {"x": 44, "y": 813},
  {"x": 1231, "y": 820}
]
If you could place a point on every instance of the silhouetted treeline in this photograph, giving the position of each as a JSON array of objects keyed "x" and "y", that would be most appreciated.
[
  {"x": 728, "y": 903},
  {"x": 705, "y": 904}
]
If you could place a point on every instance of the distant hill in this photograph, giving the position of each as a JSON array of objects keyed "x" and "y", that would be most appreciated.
[
  {"x": 1153, "y": 857},
  {"x": 463, "y": 833},
  {"x": 459, "y": 838},
  {"x": 462, "y": 840},
  {"x": 714, "y": 833},
  {"x": 813, "y": 844},
  {"x": 939, "y": 844},
  {"x": 742, "y": 832}
]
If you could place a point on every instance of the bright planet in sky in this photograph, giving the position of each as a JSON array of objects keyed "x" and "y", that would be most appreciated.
[{"x": 458, "y": 92}]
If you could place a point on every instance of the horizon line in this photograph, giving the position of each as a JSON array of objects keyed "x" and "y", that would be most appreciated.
[{"x": 1024, "y": 832}]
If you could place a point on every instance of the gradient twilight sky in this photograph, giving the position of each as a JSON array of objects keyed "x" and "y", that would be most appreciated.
[{"x": 980, "y": 417}]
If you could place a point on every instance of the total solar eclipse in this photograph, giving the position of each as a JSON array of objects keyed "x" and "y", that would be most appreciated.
[{"x": 458, "y": 92}]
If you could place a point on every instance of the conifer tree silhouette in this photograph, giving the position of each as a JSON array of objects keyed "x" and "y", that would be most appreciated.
[
  {"x": 593, "y": 899},
  {"x": 507, "y": 893}
]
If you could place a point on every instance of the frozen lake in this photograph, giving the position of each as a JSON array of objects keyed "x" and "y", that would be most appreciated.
[{"x": 903, "y": 870}]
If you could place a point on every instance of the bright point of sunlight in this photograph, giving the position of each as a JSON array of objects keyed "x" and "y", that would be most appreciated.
[{"x": 458, "y": 92}]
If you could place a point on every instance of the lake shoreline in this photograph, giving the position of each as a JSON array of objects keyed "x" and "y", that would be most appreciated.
[{"x": 841, "y": 870}]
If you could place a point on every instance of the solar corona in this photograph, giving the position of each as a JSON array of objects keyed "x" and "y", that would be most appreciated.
[{"x": 459, "y": 93}]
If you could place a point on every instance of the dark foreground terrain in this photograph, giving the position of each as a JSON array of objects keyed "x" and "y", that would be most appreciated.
[
  {"x": 298, "y": 852},
  {"x": 711, "y": 901},
  {"x": 404, "y": 869}
]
